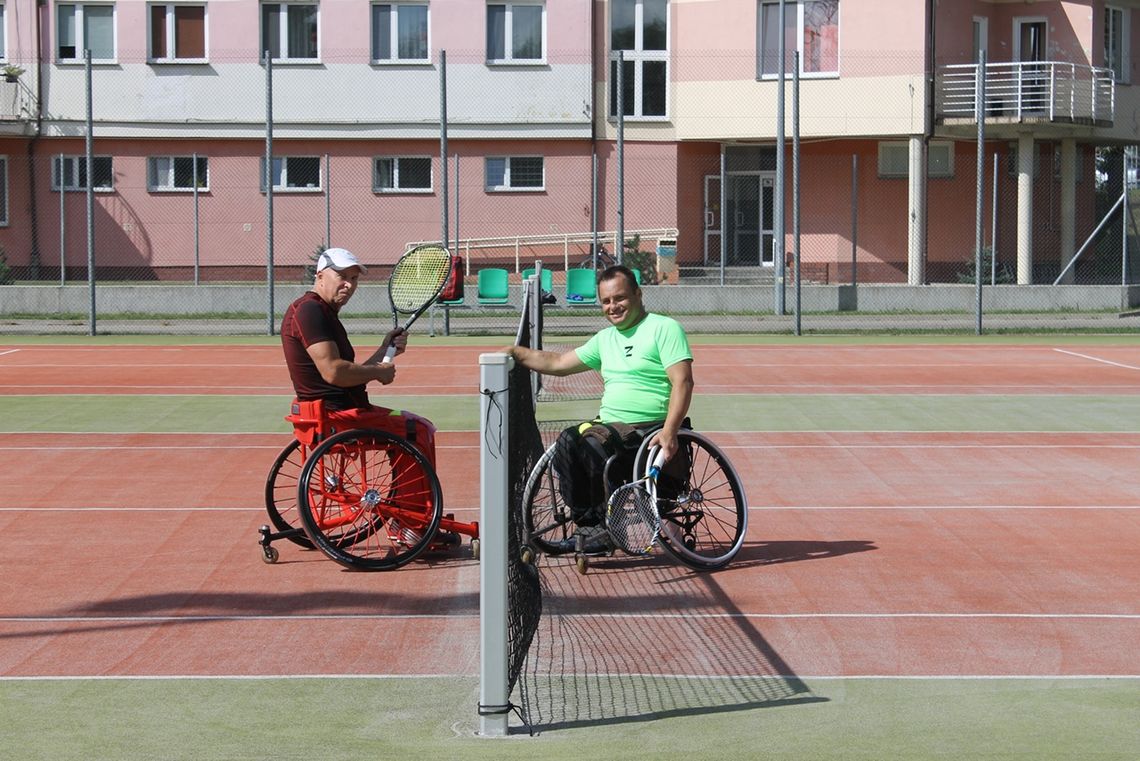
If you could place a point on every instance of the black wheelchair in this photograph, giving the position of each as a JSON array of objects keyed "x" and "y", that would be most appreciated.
[{"x": 703, "y": 509}]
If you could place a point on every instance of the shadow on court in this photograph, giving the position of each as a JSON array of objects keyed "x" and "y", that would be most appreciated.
[
  {"x": 770, "y": 553},
  {"x": 636, "y": 640}
]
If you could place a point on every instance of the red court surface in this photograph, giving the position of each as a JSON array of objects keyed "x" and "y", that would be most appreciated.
[
  {"x": 225, "y": 369},
  {"x": 868, "y": 554}
]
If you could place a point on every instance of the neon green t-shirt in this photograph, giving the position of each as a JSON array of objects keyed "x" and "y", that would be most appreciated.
[{"x": 632, "y": 363}]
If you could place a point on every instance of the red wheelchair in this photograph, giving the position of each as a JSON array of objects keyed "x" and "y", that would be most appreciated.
[{"x": 361, "y": 486}]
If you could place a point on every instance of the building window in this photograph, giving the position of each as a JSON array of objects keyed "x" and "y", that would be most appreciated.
[
  {"x": 85, "y": 26},
  {"x": 294, "y": 173},
  {"x": 3, "y": 34},
  {"x": 1116, "y": 47},
  {"x": 177, "y": 32},
  {"x": 515, "y": 173},
  {"x": 811, "y": 27},
  {"x": 402, "y": 173},
  {"x": 289, "y": 31},
  {"x": 70, "y": 173},
  {"x": 894, "y": 160},
  {"x": 640, "y": 29},
  {"x": 400, "y": 32},
  {"x": 177, "y": 173},
  {"x": 3, "y": 190},
  {"x": 516, "y": 33}
]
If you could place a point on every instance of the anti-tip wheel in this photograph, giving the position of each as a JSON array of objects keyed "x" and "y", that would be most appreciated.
[
  {"x": 527, "y": 556},
  {"x": 475, "y": 549},
  {"x": 269, "y": 555},
  {"x": 582, "y": 564}
]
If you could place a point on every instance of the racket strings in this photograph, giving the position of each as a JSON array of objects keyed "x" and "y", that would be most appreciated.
[
  {"x": 632, "y": 519},
  {"x": 417, "y": 278}
]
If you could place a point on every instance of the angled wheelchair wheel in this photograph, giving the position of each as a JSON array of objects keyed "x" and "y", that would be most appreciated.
[
  {"x": 281, "y": 493},
  {"x": 369, "y": 500},
  {"x": 704, "y": 513},
  {"x": 546, "y": 516}
]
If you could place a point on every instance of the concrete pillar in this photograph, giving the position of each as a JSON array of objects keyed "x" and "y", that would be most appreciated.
[
  {"x": 1025, "y": 149},
  {"x": 1068, "y": 204},
  {"x": 916, "y": 213}
]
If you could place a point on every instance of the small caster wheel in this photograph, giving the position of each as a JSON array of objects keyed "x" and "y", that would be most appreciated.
[
  {"x": 475, "y": 548},
  {"x": 583, "y": 564},
  {"x": 269, "y": 555},
  {"x": 527, "y": 556}
]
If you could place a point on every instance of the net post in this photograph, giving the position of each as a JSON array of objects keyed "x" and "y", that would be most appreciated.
[{"x": 494, "y": 495}]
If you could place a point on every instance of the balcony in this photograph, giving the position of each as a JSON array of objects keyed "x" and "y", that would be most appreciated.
[{"x": 1041, "y": 92}]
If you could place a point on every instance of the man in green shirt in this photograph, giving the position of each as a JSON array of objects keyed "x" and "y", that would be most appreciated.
[{"x": 647, "y": 372}]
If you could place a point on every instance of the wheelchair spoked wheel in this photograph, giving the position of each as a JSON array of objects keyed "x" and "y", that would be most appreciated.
[
  {"x": 704, "y": 515},
  {"x": 369, "y": 500},
  {"x": 281, "y": 494},
  {"x": 546, "y": 516}
]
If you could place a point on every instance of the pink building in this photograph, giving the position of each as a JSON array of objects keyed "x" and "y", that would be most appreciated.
[{"x": 179, "y": 100}]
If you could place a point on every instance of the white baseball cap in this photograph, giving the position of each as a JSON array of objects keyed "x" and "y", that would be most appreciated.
[{"x": 338, "y": 259}]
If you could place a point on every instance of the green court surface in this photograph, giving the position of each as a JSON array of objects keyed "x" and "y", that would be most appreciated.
[
  {"x": 433, "y": 718},
  {"x": 787, "y": 412}
]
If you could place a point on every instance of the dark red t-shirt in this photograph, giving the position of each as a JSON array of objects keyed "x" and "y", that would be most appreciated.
[{"x": 309, "y": 320}]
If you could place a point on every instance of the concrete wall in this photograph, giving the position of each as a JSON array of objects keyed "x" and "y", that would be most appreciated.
[{"x": 189, "y": 300}]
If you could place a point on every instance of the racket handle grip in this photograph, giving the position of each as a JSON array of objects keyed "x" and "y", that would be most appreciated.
[
  {"x": 389, "y": 355},
  {"x": 658, "y": 462}
]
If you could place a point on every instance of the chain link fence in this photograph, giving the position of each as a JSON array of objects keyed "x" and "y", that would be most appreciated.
[{"x": 193, "y": 230}]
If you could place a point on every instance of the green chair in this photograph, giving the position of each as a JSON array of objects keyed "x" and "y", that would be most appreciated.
[
  {"x": 637, "y": 275},
  {"x": 547, "y": 278},
  {"x": 581, "y": 287},
  {"x": 493, "y": 287}
]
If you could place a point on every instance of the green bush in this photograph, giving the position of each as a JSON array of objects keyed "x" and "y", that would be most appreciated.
[
  {"x": 311, "y": 267},
  {"x": 643, "y": 261},
  {"x": 1003, "y": 274}
]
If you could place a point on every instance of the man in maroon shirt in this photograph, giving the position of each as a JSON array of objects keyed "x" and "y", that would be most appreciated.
[{"x": 322, "y": 363}]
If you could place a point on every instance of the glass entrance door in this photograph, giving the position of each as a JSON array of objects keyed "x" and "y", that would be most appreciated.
[{"x": 750, "y": 206}]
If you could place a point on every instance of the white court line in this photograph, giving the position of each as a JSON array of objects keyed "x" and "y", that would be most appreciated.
[
  {"x": 10, "y": 351},
  {"x": 1096, "y": 359},
  {"x": 221, "y": 509},
  {"x": 604, "y": 616},
  {"x": 690, "y": 677}
]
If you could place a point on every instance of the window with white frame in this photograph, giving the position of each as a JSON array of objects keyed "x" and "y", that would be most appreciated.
[
  {"x": 516, "y": 32},
  {"x": 294, "y": 173},
  {"x": 289, "y": 31},
  {"x": 894, "y": 159},
  {"x": 514, "y": 173},
  {"x": 70, "y": 173},
  {"x": 3, "y": 34},
  {"x": 177, "y": 173},
  {"x": 3, "y": 190},
  {"x": 810, "y": 26},
  {"x": 393, "y": 174},
  {"x": 177, "y": 32},
  {"x": 85, "y": 26},
  {"x": 400, "y": 33},
  {"x": 1116, "y": 37},
  {"x": 640, "y": 29}
]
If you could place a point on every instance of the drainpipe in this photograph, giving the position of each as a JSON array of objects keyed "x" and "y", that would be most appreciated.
[
  {"x": 928, "y": 127},
  {"x": 593, "y": 132},
  {"x": 34, "y": 256}
]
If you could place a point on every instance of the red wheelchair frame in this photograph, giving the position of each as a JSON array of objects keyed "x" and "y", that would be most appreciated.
[{"x": 361, "y": 486}]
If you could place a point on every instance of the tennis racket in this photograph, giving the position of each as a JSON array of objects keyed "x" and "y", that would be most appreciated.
[
  {"x": 631, "y": 513},
  {"x": 415, "y": 284}
]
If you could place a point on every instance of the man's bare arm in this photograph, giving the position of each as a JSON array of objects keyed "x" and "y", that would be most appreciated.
[
  {"x": 547, "y": 362},
  {"x": 340, "y": 372},
  {"x": 680, "y": 396}
]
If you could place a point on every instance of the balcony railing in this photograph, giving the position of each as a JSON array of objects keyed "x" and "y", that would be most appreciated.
[{"x": 1037, "y": 91}]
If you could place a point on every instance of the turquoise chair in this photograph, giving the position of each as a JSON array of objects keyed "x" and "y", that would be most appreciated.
[
  {"x": 581, "y": 287},
  {"x": 547, "y": 278},
  {"x": 493, "y": 287}
]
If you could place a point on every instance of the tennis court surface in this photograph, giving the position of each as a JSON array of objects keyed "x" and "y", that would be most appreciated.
[{"x": 941, "y": 562}]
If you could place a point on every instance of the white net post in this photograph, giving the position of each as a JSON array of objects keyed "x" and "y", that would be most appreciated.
[{"x": 494, "y": 700}]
